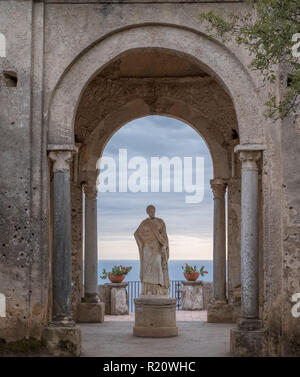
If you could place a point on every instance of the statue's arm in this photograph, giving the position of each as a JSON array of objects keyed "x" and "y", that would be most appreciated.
[
  {"x": 165, "y": 239},
  {"x": 163, "y": 233},
  {"x": 139, "y": 242},
  {"x": 136, "y": 234}
]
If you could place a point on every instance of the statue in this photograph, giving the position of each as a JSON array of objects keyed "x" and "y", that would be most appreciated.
[{"x": 152, "y": 240}]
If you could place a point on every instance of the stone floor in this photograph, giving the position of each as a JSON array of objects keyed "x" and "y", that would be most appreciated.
[{"x": 113, "y": 338}]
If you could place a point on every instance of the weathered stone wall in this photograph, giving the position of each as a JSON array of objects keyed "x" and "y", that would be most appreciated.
[
  {"x": 23, "y": 211},
  {"x": 77, "y": 241},
  {"x": 234, "y": 236},
  {"x": 44, "y": 38},
  {"x": 207, "y": 293},
  {"x": 290, "y": 154}
]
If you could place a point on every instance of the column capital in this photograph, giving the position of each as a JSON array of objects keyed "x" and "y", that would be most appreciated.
[
  {"x": 249, "y": 159},
  {"x": 61, "y": 160},
  {"x": 218, "y": 186},
  {"x": 62, "y": 147},
  {"x": 249, "y": 147},
  {"x": 90, "y": 190}
]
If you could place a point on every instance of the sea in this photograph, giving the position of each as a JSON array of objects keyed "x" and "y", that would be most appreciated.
[{"x": 175, "y": 270}]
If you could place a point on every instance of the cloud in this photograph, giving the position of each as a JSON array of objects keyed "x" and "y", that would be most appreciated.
[
  {"x": 182, "y": 247},
  {"x": 189, "y": 225}
]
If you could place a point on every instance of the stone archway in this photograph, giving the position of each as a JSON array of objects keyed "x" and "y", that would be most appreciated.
[
  {"x": 211, "y": 55},
  {"x": 218, "y": 67}
]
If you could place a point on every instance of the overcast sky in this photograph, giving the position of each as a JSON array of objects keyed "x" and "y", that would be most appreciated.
[{"x": 189, "y": 226}]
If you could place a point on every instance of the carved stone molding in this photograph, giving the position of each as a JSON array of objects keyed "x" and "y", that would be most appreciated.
[
  {"x": 218, "y": 187},
  {"x": 103, "y": 95},
  {"x": 90, "y": 190},
  {"x": 249, "y": 159},
  {"x": 61, "y": 160}
]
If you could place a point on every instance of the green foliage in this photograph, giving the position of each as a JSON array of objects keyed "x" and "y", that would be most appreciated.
[
  {"x": 116, "y": 270},
  {"x": 187, "y": 269},
  {"x": 268, "y": 37}
]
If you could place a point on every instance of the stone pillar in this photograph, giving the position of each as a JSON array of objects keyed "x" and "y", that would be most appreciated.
[
  {"x": 234, "y": 241},
  {"x": 116, "y": 299},
  {"x": 219, "y": 250},
  {"x": 91, "y": 245},
  {"x": 192, "y": 295},
  {"x": 249, "y": 237},
  {"x": 62, "y": 329},
  {"x": 91, "y": 309},
  {"x": 62, "y": 262},
  {"x": 249, "y": 337},
  {"x": 218, "y": 310}
]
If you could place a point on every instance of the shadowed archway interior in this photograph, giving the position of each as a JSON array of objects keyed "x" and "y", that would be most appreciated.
[{"x": 152, "y": 82}]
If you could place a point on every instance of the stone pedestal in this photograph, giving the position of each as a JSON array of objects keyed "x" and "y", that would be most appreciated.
[
  {"x": 116, "y": 299},
  {"x": 245, "y": 343},
  {"x": 219, "y": 312},
  {"x": 192, "y": 295},
  {"x": 62, "y": 340},
  {"x": 155, "y": 317},
  {"x": 91, "y": 312}
]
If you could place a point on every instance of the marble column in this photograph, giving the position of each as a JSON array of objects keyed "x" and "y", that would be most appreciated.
[
  {"x": 91, "y": 248},
  {"x": 249, "y": 239},
  {"x": 219, "y": 246},
  {"x": 250, "y": 337},
  {"x": 218, "y": 309},
  {"x": 62, "y": 330},
  {"x": 62, "y": 263},
  {"x": 91, "y": 310}
]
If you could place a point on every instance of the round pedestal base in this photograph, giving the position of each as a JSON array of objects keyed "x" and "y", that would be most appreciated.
[
  {"x": 155, "y": 317},
  {"x": 155, "y": 332}
]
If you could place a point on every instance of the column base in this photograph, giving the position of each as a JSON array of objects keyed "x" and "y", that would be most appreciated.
[
  {"x": 90, "y": 312},
  {"x": 221, "y": 312},
  {"x": 155, "y": 317},
  {"x": 249, "y": 324},
  {"x": 158, "y": 332},
  {"x": 91, "y": 298},
  {"x": 62, "y": 340},
  {"x": 245, "y": 343}
]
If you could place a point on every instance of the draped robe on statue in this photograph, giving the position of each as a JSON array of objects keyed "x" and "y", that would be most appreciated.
[{"x": 153, "y": 244}]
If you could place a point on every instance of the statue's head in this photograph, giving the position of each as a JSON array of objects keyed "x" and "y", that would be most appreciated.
[{"x": 151, "y": 211}]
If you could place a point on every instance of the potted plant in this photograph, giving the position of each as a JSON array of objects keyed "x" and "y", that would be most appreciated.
[
  {"x": 117, "y": 274},
  {"x": 191, "y": 273}
]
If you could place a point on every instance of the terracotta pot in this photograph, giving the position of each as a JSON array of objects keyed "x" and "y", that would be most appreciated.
[
  {"x": 116, "y": 278},
  {"x": 191, "y": 277}
]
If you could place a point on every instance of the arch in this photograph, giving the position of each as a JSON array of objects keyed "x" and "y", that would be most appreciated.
[
  {"x": 2, "y": 46},
  {"x": 98, "y": 139},
  {"x": 210, "y": 54}
]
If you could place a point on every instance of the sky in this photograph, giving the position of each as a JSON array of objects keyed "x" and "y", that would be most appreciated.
[{"x": 189, "y": 225}]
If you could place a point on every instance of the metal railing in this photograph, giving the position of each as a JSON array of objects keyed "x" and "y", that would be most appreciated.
[{"x": 134, "y": 289}]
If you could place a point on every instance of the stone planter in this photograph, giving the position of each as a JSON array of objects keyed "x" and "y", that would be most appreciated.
[
  {"x": 116, "y": 278},
  {"x": 191, "y": 277}
]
